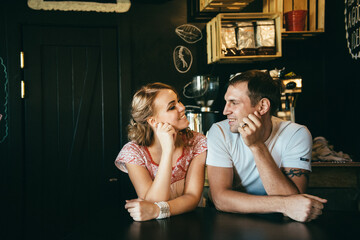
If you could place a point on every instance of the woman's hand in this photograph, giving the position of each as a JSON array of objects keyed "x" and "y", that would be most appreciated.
[
  {"x": 141, "y": 210},
  {"x": 166, "y": 135}
]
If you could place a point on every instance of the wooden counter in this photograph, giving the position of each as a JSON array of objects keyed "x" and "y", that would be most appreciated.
[
  {"x": 335, "y": 175},
  {"x": 208, "y": 223},
  {"x": 339, "y": 182}
]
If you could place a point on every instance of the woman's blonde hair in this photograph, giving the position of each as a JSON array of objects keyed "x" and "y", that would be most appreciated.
[{"x": 142, "y": 107}]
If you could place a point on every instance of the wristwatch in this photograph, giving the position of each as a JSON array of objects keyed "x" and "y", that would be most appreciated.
[{"x": 164, "y": 210}]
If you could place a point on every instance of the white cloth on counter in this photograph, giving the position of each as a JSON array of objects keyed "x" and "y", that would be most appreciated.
[{"x": 323, "y": 152}]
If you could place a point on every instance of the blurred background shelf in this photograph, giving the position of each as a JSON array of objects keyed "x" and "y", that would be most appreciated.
[
  {"x": 223, "y": 5},
  {"x": 299, "y": 35}
]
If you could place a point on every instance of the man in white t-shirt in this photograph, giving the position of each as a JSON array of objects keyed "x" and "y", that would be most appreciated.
[{"x": 258, "y": 163}]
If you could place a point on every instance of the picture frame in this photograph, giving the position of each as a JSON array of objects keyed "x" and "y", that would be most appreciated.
[{"x": 119, "y": 6}]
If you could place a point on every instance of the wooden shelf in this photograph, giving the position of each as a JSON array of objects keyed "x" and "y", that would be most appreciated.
[
  {"x": 223, "y": 5},
  {"x": 301, "y": 35}
]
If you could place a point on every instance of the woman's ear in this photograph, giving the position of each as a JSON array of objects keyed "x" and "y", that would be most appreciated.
[
  {"x": 264, "y": 106},
  {"x": 151, "y": 121}
]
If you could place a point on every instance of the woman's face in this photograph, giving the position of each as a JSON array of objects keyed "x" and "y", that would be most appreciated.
[{"x": 169, "y": 109}]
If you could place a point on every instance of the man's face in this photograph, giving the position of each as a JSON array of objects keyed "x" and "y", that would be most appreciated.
[{"x": 238, "y": 105}]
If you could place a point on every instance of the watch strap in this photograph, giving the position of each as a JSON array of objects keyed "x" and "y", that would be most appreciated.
[{"x": 164, "y": 210}]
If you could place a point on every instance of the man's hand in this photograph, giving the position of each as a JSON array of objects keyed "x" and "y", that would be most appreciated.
[
  {"x": 141, "y": 210},
  {"x": 252, "y": 129},
  {"x": 303, "y": 207}
]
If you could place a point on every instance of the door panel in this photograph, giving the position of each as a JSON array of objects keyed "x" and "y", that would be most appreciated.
[{"x": 72, "y": 133}]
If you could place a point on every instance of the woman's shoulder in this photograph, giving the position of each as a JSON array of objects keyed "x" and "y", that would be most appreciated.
[
  {"x": 197, "y": 143},
  {"x": 197, "y": 136},
  {"x": 131, "y": 153},
  {"x": 132, "y": 146}
]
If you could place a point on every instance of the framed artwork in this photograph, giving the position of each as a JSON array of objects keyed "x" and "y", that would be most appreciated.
[
  {"x": 118, "y": 6},
  {"x": 195, "y": 15}
]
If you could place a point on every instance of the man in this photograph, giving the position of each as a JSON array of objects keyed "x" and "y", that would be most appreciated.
[{"x": 256, "y": 162}]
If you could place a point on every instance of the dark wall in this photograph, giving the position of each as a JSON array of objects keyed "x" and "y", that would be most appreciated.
[
  {"x": 153, "y": 40},
  {"x": 147, "y": 39}
]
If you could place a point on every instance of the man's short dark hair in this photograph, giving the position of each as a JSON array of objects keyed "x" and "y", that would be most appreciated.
[{"x": 260, "y": 85}]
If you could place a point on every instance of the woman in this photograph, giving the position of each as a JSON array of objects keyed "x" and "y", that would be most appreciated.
[{"x": 164, "y": 159}]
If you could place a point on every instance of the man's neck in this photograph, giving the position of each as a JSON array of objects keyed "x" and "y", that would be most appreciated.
[{"x": 268, "y": 127}]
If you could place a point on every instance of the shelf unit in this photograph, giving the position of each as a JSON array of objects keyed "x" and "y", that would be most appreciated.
[
  {"x": 272, "y": 9},
  {"x": 214, "y": 39},
  {"x": 315, "y": 23}
]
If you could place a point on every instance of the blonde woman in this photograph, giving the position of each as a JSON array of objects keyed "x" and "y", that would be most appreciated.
[{"x": 165, "y": 160}]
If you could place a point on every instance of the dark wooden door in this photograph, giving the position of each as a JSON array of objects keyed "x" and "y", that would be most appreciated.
[{"x": 72, "y": 127}]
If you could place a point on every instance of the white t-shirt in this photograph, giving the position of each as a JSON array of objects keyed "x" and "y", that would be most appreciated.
[{"x": 290, "y": 145}]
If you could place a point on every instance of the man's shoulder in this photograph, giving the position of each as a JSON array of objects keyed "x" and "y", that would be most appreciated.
[
  {"x": 283, "y": 125},
  {"x": 220, "y": 127},
  {"x": 287, "y": 129},
  {"x": 220, "y": 131}
]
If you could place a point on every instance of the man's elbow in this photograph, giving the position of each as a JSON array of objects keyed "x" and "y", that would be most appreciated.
[
  {"x": 219, "y": 202},
  {"x": 219, "y": 207}
]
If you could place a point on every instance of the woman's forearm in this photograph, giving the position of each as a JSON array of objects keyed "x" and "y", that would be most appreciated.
[
  {"x": 160, "y": 187},
  {"x": 184, "y": 203}
]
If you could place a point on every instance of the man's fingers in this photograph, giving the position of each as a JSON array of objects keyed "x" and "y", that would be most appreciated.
[
  {"x": 316, "y": 202},
  {"x": 255, "y": 119},
  {"x": 322, "y": 200},
  {"x": 314, "y": 215},
  {"x": 317, "y": 205}
]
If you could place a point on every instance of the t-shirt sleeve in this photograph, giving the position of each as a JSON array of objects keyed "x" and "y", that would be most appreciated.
[
  {"x": 130, "y": 153},
  {"x": 200, "y": 144},
  {"x": 218, "y": 153},
  {"x": 297, "y": 153}
]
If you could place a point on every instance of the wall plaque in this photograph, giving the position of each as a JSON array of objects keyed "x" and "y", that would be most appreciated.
[{"x": 352, "y": 27}]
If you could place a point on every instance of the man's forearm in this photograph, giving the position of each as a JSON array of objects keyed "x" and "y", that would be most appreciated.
[
  {"x": 239, "y": 202},
  {"x": 274, "y": 181},
  {"x": 300, "y": 207}
]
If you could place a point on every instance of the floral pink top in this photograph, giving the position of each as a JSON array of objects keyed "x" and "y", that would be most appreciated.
[{"x": 140, "y": 155}]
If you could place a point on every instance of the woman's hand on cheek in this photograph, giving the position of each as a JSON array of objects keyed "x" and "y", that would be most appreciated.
[
  {"x": 141, "y": 210},
  {"x": 166, "y": 135}
]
